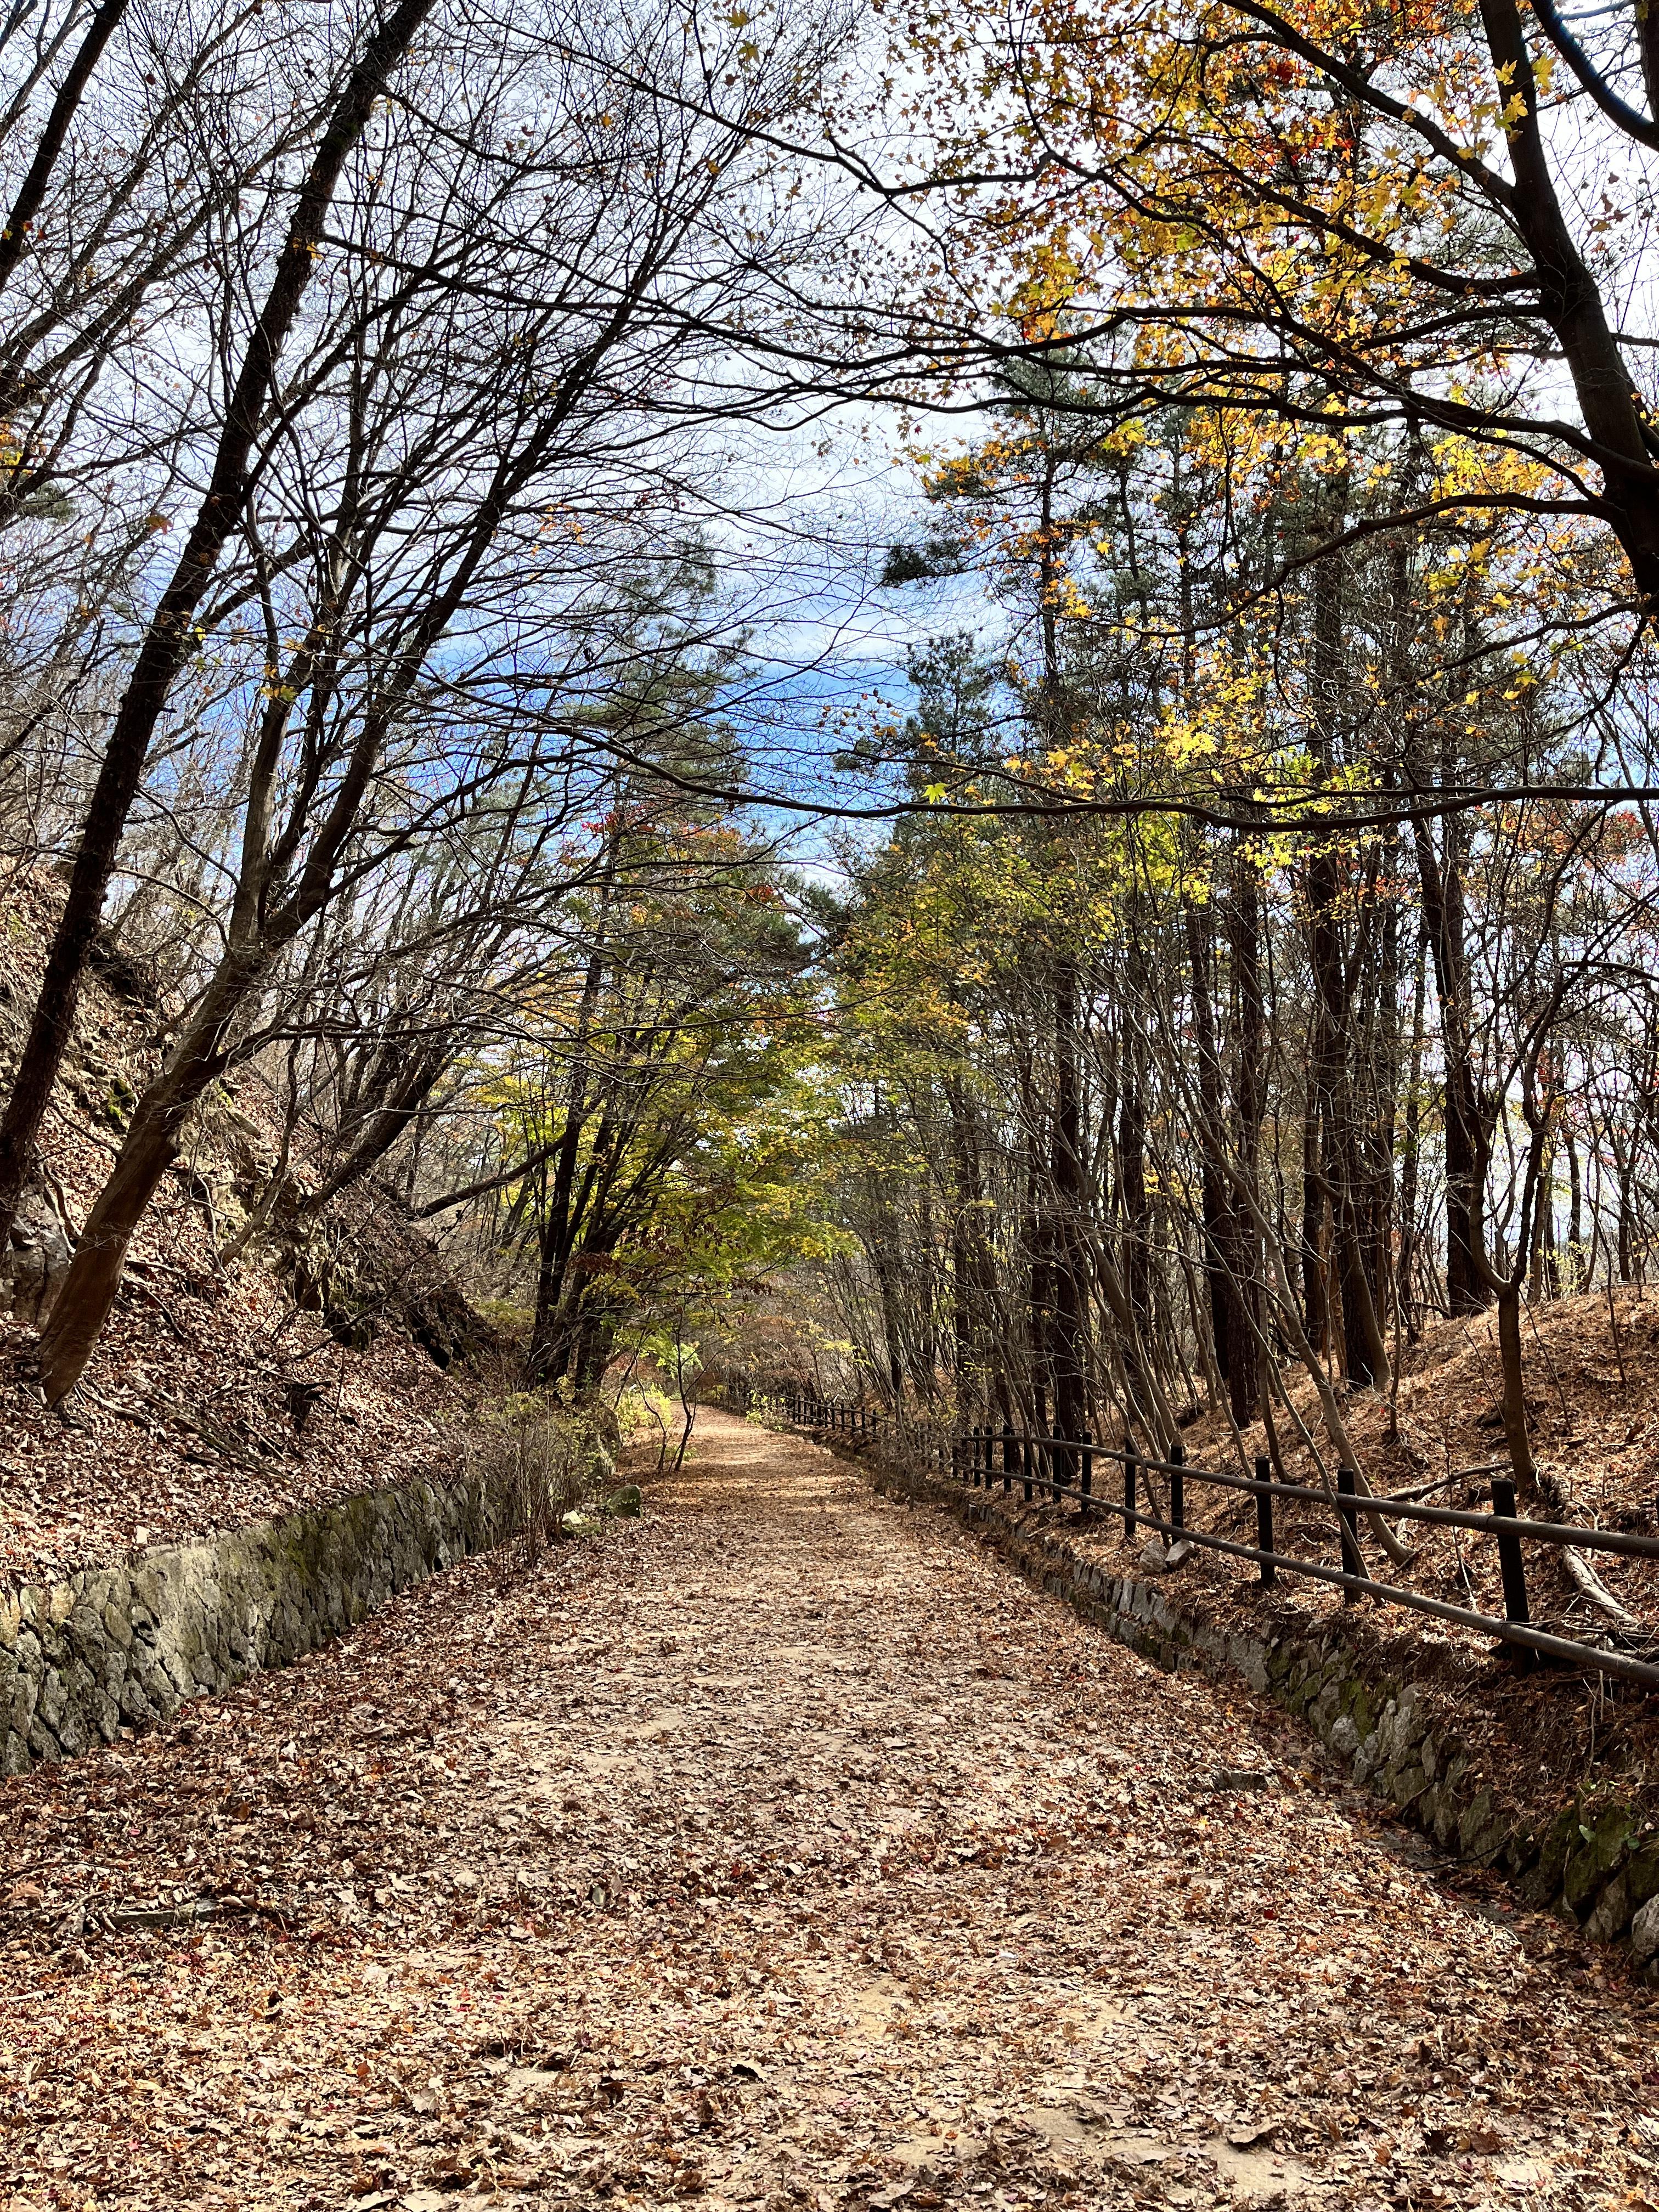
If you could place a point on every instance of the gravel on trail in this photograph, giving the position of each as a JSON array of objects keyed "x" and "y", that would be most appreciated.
[{"x": 781, "y": 1849}]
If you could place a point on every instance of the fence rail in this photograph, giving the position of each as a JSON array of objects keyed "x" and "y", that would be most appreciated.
[{"x": 1064, "y": 1468}]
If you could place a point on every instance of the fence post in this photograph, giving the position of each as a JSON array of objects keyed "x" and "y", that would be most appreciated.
[
  {"x": 1130, "y": 1523},
  {"x": 1353, "y": 1561},
  {"x": 1007, "y": 1458},
  {"x": 1085, "y": 1474},
  {"x": 1026, "y": 1463},
  {"x": 1510, "y": 1557},
  {"x": 1264, "y": 1520},
  {"x": 1177, "y": 1484}
]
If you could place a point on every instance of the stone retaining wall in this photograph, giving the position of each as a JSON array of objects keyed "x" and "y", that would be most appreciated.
[
  {"x": 1597, "y": 1865},
  {"x": 123, "y": 1646}
]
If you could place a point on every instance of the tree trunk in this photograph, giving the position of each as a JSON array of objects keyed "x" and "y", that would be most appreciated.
[
  {"x": 1440, "y": 883},
  {"x": 1244, "y": 935},
  {"x": 150, "y": 1147},
  {"x": 1409, "y": 1144},
  {"x": 1514, "y": 1381},
  {"x": 1227, "y": 1331},
  {"x": 1068, "y": 1359},
  {"x": 171, "y": 635}
]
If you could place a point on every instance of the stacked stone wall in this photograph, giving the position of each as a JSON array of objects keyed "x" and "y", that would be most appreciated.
[{"x": 123, "y": 1647}]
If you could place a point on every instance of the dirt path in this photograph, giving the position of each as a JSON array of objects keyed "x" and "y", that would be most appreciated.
[{"x": 778, "y": 1850}]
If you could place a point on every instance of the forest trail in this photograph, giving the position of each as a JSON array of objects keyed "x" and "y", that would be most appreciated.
[{"x": 782, "y": 1850}]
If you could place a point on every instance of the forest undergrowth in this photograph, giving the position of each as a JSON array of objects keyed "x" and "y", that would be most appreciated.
[{"x": 1438, "y": 1437}]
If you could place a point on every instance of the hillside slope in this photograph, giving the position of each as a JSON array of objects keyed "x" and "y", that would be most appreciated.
[{"x": 318, "y": 1363}]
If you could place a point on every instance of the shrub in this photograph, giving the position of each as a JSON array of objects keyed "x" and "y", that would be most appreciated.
[{"x": 541, "y": 1462}]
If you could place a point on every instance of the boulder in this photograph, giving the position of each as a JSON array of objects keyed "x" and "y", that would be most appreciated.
[{"x": 35, "y": 1264}]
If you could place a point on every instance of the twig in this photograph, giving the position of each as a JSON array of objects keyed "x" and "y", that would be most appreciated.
[
  {"x": 141, "y": 1416},
  {"x": 1583, "y": 1576},
  {"x": 189, "y": 1343},
  {"x": 1566, "y": 1410}
]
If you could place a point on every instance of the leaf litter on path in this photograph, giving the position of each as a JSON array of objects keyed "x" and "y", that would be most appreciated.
[{"x": 781, "y": 1850}]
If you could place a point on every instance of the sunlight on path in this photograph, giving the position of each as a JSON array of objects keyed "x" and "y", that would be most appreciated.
[{"x": 784, "y": 1849}]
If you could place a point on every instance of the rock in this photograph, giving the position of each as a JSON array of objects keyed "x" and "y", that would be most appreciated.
[
  {"x": 624, "y": 1504},
  {"x": 1481, "y": 1831},
  {"x": 1645, "y": 1932},
  {"x": 1541, "y": 1884},
  {"x": 53, "y": 1700},
  {"x": 1612, "y": 1913},
  {"x": 135, "y": 1705},
  {"x": 1154, "y": 1556},
  {"x": 1344, "y": 1737},
  {"x": 1601, "y": 1851},
  {"x": 1643, "y": 1874},
  {"x": 577, "y": 1523},
  {"x": 36, "y": 1263},
  {"x": 26, "y": 1692}
]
